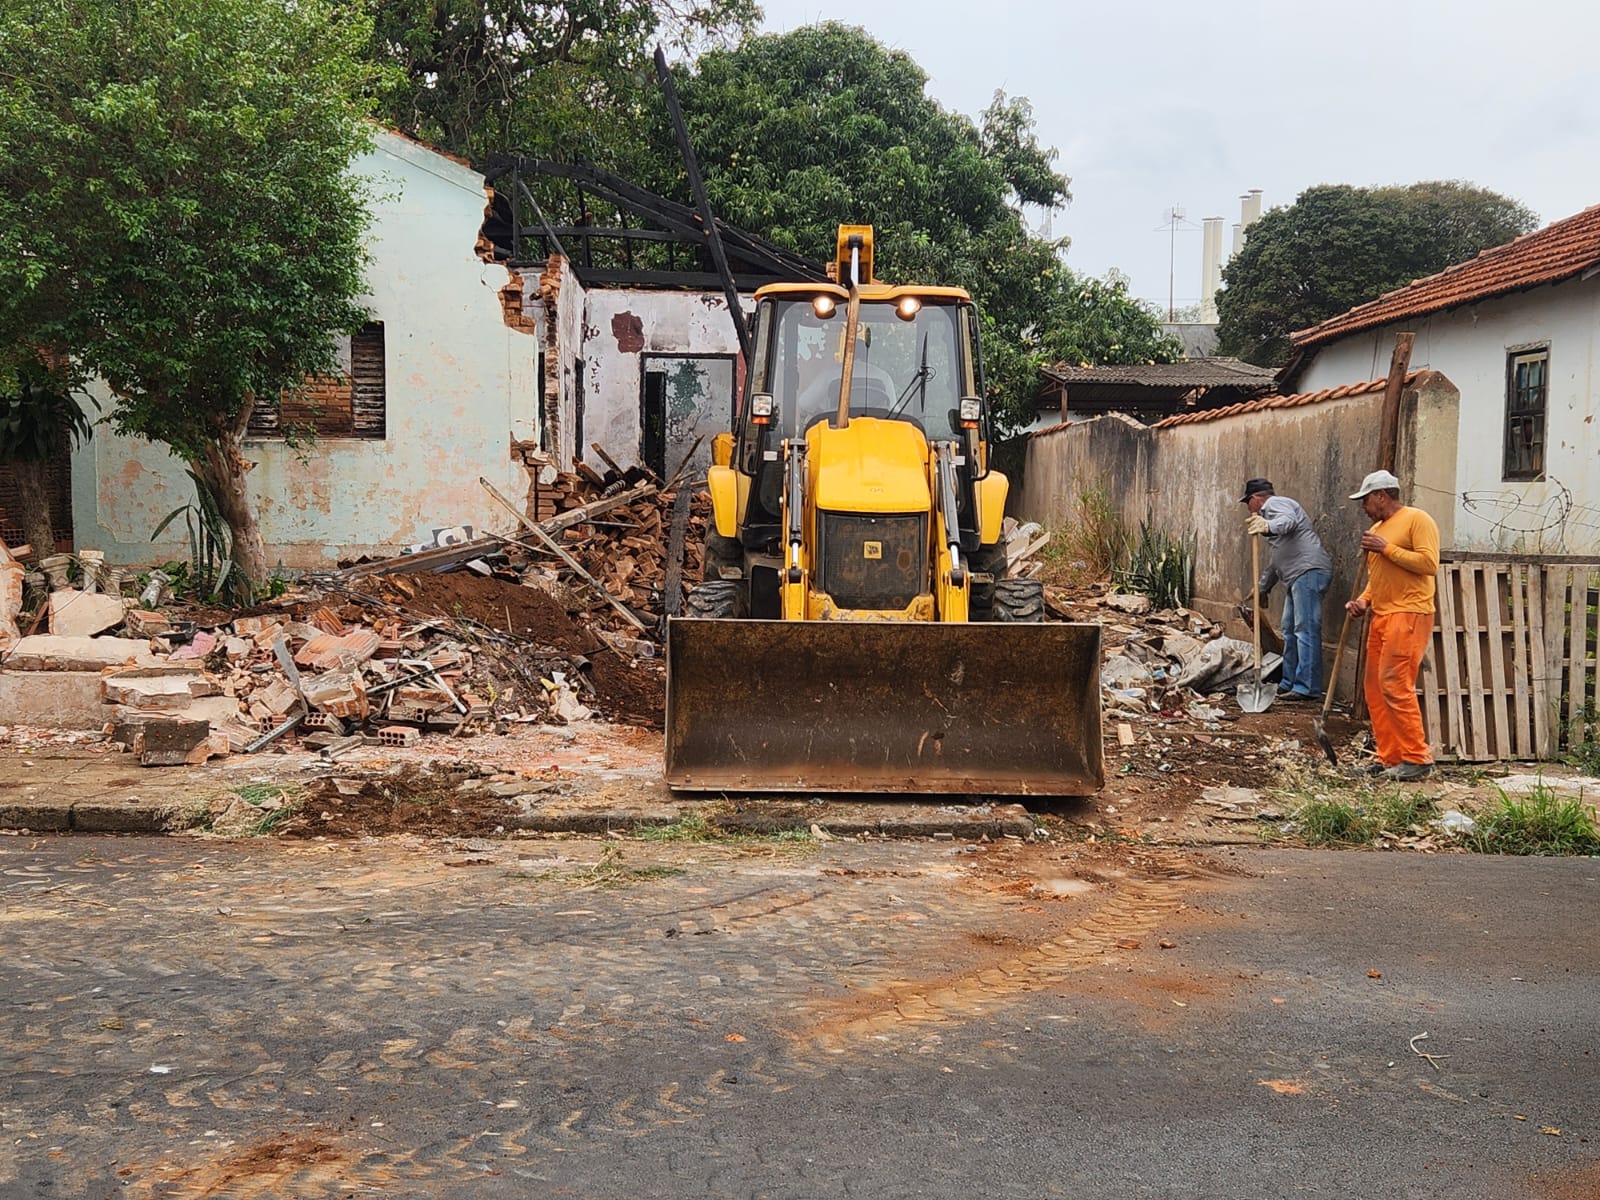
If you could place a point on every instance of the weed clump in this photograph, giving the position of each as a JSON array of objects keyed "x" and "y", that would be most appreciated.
[{"x": 1542, "y": 823}]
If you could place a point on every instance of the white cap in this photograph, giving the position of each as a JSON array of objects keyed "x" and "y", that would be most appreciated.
[{"x": 1376, "y": 482}]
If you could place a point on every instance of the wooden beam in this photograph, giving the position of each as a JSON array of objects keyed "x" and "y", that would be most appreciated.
[
  {"x": 560, "y": 552},
  {"x": 1399, "y": 364}
]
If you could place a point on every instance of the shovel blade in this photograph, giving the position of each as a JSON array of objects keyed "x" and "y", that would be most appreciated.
[{"x": 1256, "y": 697}]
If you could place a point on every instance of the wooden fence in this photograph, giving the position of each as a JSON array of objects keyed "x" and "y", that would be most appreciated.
[{"x": 1513, "y": 671}]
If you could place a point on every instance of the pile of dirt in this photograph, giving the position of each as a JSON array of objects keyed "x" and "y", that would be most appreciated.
[
  {"x": 413, "y": 800},
  {"x": 525, "y": 612}
]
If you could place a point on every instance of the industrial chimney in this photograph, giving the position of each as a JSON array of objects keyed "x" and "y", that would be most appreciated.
[{"x": 1210, "y": 269}]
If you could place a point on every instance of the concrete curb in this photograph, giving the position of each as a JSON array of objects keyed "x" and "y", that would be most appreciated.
[
  {"x": 103, "y": 816},
  {"x": 572, "y": 815}
]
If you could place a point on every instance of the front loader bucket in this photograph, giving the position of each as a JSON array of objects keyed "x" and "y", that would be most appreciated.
[{"x": 878, "y": 706}]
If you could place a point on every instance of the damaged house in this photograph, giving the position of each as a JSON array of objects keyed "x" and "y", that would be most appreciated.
[{"x": 499, "y": 347}]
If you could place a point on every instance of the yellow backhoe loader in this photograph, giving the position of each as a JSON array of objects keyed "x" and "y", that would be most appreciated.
[{"x": 855, "y": 631}]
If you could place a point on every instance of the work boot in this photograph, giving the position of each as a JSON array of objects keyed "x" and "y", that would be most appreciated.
[{"x": 1408, "y": 771}]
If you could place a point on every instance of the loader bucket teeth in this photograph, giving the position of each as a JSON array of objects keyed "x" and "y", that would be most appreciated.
[{"x": 872, "y": 706}]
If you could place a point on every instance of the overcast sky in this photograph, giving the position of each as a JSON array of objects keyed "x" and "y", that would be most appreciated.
[{"x": 1158, "y": 104}]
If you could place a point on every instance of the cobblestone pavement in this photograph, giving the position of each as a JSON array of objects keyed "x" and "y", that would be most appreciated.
[{"x": 610, "y": 1018}]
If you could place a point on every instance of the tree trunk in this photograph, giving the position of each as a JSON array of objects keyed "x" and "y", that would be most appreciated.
[
  {"x": 223, "y": 469},
  {"x": 33, "y": 501}
]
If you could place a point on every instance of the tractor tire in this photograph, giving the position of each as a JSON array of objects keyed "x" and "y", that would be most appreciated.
[
  {"x": 1018, "y": 600},
  {"x": 716, "y": 600},
  {"x": 988, "y": 560},
  {"x": 721, "y": 552}
]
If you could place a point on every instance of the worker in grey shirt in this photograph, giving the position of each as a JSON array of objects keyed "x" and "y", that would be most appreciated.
[{"x": 1299, "y": 560}]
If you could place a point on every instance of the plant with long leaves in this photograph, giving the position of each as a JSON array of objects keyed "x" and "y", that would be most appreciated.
[{"x": 212, "y": 571}]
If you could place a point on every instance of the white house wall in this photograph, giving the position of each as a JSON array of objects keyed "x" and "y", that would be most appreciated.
[
  {"x": 622, "y": 325},
  {"x": 1561, "y": 513},
  {"x": 460, "y": 387}
]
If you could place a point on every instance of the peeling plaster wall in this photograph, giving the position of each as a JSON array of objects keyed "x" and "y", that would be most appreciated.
[
  {"x": 1188, "y": 478},
  {"x": 620, "y": 326},
  {"x": 460, "y": 387},
  {"x": 1470, "y": 345}
]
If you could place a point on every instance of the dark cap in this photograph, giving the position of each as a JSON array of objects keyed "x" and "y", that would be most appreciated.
[{"x": 1252, "y": 486}]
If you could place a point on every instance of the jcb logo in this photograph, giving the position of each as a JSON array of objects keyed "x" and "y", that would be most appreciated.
[{"x": 871, "y": 549}]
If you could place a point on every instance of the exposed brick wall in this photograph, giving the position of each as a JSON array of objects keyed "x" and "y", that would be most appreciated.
[{"x": 348, "y": 406}]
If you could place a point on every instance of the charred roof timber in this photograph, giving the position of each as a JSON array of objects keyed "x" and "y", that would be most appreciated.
[{"x": 669, "y": 248}]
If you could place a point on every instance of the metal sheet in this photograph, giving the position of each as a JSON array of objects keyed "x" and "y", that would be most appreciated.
[{"x": 913, "y": 707}]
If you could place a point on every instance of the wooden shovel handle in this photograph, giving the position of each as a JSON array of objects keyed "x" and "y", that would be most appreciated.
[
  {"x": 1344, "y": 630},
  {"x": 1255, "y": 609}
]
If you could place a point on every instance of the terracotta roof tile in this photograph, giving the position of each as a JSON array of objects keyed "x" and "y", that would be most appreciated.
[
  {"x": 1267, "y": 402},
  {"x": 1549, "y": 255}
]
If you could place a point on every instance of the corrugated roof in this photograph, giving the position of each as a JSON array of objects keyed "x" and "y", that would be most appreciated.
[
  {"x": 1193, "y": 373},
  {"x": 1549, "y": 255}
]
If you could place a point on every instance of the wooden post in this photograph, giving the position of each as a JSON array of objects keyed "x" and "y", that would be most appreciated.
[
  {"x": 1389, "y": 434},
  {"x": 1388, "y": 440}
]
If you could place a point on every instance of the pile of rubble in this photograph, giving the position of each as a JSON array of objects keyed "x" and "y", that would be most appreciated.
[{"x": 461, "y": 636}]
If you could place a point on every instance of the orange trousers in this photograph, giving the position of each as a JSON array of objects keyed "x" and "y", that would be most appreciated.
[{"x": 1396, "y": 643}]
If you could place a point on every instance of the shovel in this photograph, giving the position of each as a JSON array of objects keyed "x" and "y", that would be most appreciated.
[
  {"x": 1323, "y": 739},
  {"x": 1256, "y": 697}
]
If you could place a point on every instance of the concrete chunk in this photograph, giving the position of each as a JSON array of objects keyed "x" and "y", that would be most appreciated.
[
  {"x": 52, "y": 699},
  {"x": 172, "y": 743},
  {"x": 168, "y": 687},
  {"x": 83, "y": 614},
  {"x": 52, "y": 652}
]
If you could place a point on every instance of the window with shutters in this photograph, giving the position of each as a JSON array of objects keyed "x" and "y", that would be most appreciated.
[
  {"x": 349, "y": 404},
  {"x": 1527, "y": 393}
]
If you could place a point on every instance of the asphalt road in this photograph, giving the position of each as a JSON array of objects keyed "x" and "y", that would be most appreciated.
[{"x": 201, "y": 1019}]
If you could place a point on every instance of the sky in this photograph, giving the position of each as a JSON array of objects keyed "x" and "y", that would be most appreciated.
[{"x": 1159, "y": 105}]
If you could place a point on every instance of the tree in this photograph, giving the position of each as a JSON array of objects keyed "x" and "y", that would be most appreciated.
[
  {"x": 801, "y": 132},
  {"x": 548, "y": 80},
  {"x": 39, "y": 418},
  {"x": 1340, "y": 246},
  {"x": 1097, "y": 322},
  {"x": 177, "y": 214}
]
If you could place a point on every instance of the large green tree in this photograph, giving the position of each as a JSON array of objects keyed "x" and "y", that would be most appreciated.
[
  {"x": 551, "y": 80},
  {"x": 1338, "y": 246},
  {"x": 801, "y": 132},
  {"x": 177, "y": 213}
]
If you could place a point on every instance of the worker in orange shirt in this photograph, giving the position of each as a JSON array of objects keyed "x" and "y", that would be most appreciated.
[{"x": 1402, "y": 565}]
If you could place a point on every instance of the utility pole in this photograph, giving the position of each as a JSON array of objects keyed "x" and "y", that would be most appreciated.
[{"x": 1171, "y": 219}]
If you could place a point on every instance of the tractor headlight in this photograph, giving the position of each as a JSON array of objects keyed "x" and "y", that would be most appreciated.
[
  {"x": 762, "y": 407},
  {"x": 823, "y": 305},
  {"x": 908, "y": 307},
  {"x": 971, "y": 408}
]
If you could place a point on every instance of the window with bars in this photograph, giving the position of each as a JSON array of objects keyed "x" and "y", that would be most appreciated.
[
  {"x": 1527, "y": 394},
  {"x": 350, "y": 404}
]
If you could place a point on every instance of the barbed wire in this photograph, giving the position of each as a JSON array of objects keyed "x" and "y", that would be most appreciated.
[{"x": 1554, "y": 523}]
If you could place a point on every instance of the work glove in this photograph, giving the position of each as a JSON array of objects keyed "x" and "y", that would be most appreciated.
[{"x": 1257, "y": 524}]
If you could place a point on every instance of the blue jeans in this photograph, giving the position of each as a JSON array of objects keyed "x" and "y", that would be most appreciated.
[{"x": 1302, "y": 633}]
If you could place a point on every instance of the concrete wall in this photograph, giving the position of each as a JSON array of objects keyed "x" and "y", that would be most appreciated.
[
  {"x": 460, "y": 386},
  {"x": 1560, "y": 514},
  {"x": 1188, "y": 478}
]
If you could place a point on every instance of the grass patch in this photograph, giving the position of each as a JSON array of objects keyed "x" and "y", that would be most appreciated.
[
  {"x": 1325, "y": 821},
  {"x": 609, "y": 873},
  {"x": 1083, "y": 551},
  {"x": 691, "y": 827},
  {"x": 1541, "y": 823},
  {"x": 257, "y": 794},
  {"x": 276, "y": 802},
  {"x": 702, "y": 825},
  {"x": 1336, "y": 821}
]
